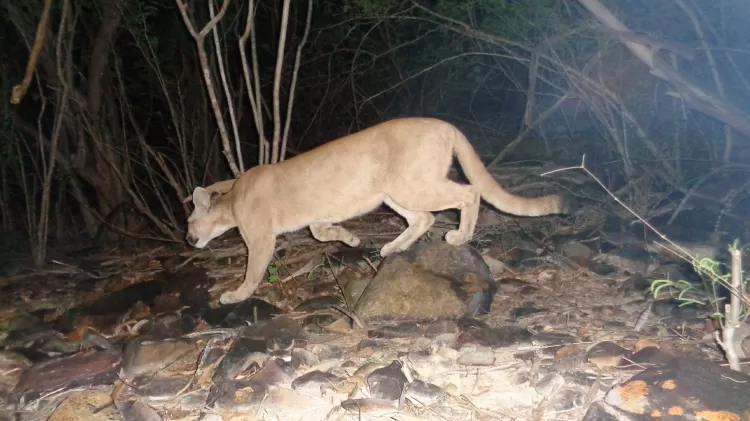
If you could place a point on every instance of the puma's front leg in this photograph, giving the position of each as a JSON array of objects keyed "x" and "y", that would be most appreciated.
[{"x": 260, "y": 248}]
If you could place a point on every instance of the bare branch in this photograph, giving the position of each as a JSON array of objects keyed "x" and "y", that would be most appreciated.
[
  {"x": 295, "y": 72},
  {"x": 19, "y": 91},
  {"x": 689, "y": 91},
  {"x": 277, "y": 82},
  {"x": 208, "y": 79},
  {"x": 253, "y": 89}
]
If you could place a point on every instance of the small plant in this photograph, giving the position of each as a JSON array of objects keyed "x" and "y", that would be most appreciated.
[
  {"x": 273, "y": 273},
  {"x": 688, "y": 293}
]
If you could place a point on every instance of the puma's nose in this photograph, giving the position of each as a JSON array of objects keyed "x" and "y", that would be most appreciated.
[{"x": 191, "y": 239}]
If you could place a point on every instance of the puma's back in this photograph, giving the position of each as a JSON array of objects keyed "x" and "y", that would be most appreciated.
[{"x": 406, "y": 159}]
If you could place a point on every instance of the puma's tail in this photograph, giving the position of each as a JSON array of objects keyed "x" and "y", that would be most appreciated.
[{"x": 498, "y": 197}]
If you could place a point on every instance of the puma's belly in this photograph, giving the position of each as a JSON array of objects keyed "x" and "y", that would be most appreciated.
[{"x": 327, "y": 205}]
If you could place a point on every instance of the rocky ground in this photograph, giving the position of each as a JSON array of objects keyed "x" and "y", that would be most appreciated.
[{"x": 536, "y": 319}]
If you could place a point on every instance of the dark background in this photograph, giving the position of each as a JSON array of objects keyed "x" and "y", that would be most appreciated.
[{"x": 118, "y": 98}]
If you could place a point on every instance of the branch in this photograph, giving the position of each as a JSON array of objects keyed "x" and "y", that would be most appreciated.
[
  {"x": 295, "y": 72},
  {"x": 277, "y": 82},
  {"x": 19, "y": 91},
  {"x": 253, "y": 89},
  {"x": 687, "y": 90},
  {"x": 203, "y": 58},
  {"x": 225, "y": 84}
]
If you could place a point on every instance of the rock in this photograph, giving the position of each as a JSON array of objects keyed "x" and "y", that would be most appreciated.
[
  {"x": 606, "y": 354},
  {"x": 423, "y": 393},
  {"x": 246, "y": 395},
  {"x": 600, "y": 411},
  {"x": 512, "y": 286},
  {"x": 631, "y": 260},
  {"x": 387, "y": 382},
  {"x": 677, "y": 308},
  {"x": 527, "y": 309},
  {"x": 372, "y": 407},
  {"x": 88, "y": 406},
  {"x": 162, "y": 387},
  {"x": 240, "y": 314},
  {"x": 166, "y": 326},
  {"x": 401, "y": 330},
  {"x": 354, "y": 289},
  {"x": 322, "y": 302},
  {"x": 568, "y": 399},
  {"x": 451, "y": 389},
  {"x": 239, "y": 396},
  {"x": 481, "y": 356},
  {"x": 20, "y": 322},
  {"x": 139, "y": 411},
  {"x": 577, "y": 252},
  {"x": 303, "y": 357},
  {"x": 684, "y": 387},
  {"x": 442, "y": 327},
  {"x": 280, "y": 334},
  {"x": 315, "y": 377},
  {"x": 448, "y": 353},
  {"x": 549, "y": 384},
  {"x": 87, "y": 369},
  {"x": 636, "y": 283},
  {"x": 430, "y": 281},
  {"x": 148, "y": 357},
  {"x": 241, "y": 355},
  {"x": 500, "y": 337},
  {"x": 12, "y": 365}
]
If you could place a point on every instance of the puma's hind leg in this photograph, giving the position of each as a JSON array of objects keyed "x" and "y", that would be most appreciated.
[
  {"x": 330, "y": 232},
  {"x": 441, "y": 195},
  {"x": 419, "y": 223}
]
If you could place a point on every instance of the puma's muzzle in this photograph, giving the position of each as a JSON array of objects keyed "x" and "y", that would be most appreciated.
[{"x": 191, "y": 239}]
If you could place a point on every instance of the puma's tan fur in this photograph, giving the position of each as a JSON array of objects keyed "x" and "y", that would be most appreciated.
[{"x": 403, "y": 163}]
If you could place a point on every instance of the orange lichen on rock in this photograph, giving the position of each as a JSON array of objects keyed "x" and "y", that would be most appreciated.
[
  {"x": 669, "y": 385},
  {"x": 717, "y": 416},
  {"x": 676, "y": 411}
]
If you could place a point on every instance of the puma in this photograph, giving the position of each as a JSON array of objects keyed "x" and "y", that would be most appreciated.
[{"x": 403, "y": 163}]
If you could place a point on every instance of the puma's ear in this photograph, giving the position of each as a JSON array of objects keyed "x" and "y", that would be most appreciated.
[
  {"x": 202, "y": 198},
  {"x": 214, "y": 196}
]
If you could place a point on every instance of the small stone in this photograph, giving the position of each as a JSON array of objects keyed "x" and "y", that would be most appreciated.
[
  {"x": 303, "y": 357},
  {"x": 387, "y": 382},
  {"x": 325, "y": 351},
  {"x": 445, "y": 340},
  {"x": 483, "y": 356},
  {"x": 446, "y": 352},
  {"x": 549, "y": 384},
  {"x": 451, "y": 389},
  {"x": 443, "y": 327},
  {"x": 147, "y": 357},
  {"x": 139, "y": 411},
  {"x": 423, "y": 393},
  {"x": 374, "y": 407},
  {"x": 568, "y": 399},
  {"x": 315, "y": 377}
]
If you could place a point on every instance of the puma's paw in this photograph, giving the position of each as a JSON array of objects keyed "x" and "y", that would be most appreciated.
[
  {"x": 231, "y": 297},
  {"x": 353, "y": 242},
  {"x": 455, "y": 238},
  {"x": 387, "y": 249}
]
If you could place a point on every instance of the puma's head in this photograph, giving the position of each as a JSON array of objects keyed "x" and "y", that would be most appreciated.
[{"x": 207, "y": 221}]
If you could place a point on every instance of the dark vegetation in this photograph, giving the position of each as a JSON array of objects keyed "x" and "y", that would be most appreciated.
[{"x": 117, "y": 125}]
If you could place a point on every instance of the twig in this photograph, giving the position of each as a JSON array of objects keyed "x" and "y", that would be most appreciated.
[
  {"x": 689, "y": 258},
  {"x": 352, "y": 315},
  {"x": 733, "y": 311}
]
